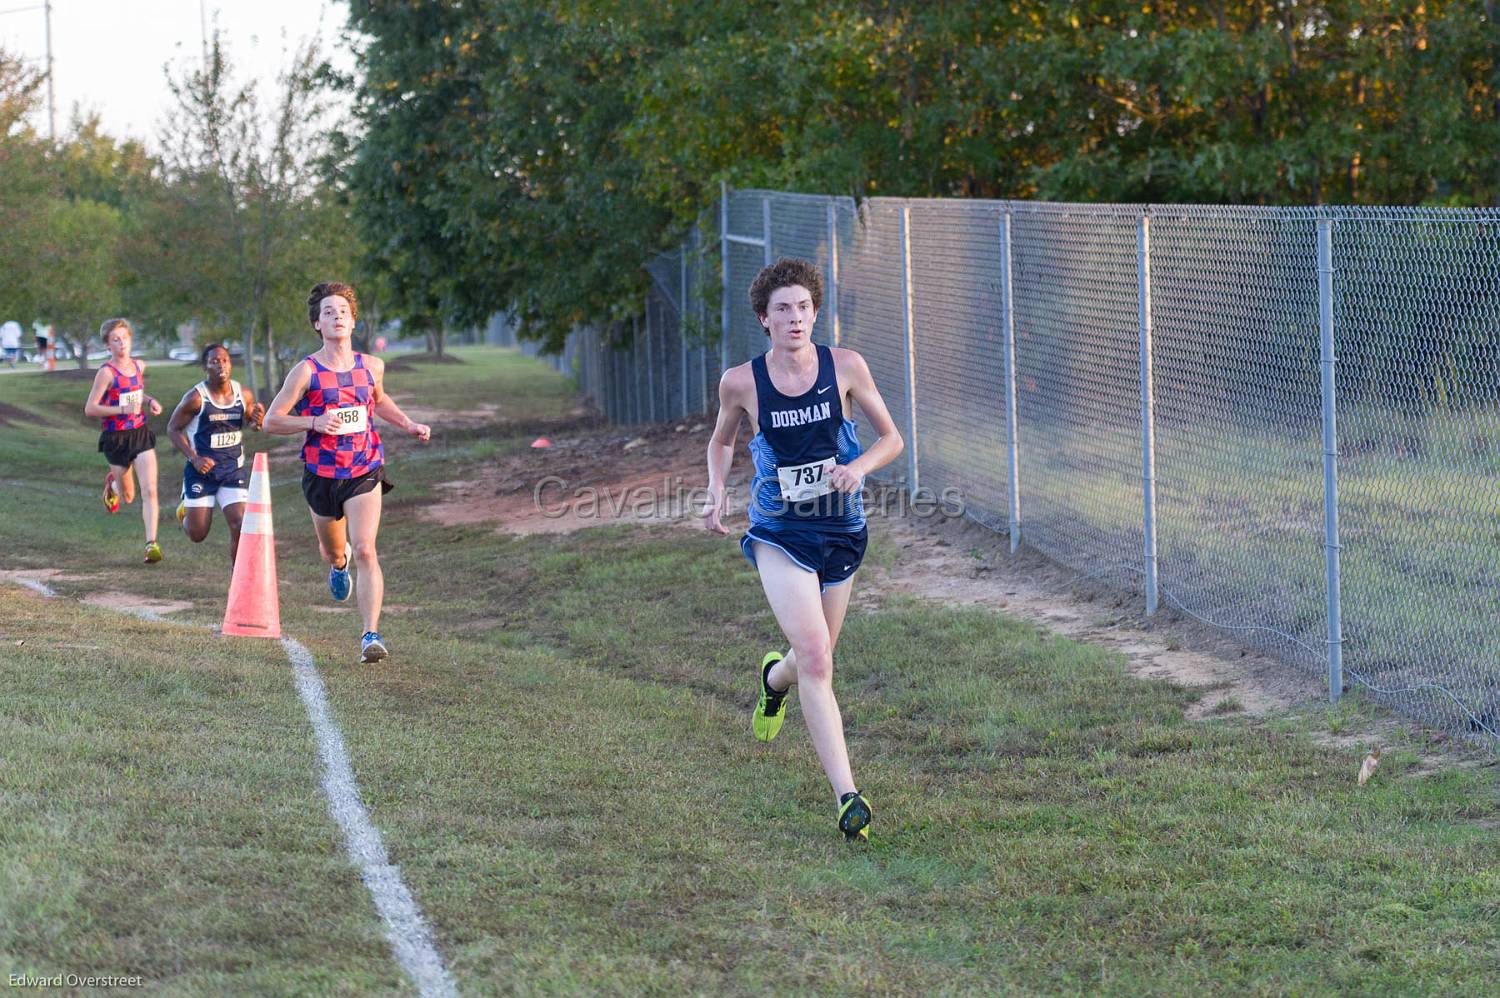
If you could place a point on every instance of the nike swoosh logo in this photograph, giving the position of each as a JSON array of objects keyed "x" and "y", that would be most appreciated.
[{"x": 824, "y": 389}]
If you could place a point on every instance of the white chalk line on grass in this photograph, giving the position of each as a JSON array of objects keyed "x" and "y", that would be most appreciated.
[{"x": 405, "y": 928}]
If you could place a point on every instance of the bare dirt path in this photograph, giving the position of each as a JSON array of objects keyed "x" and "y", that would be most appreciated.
[{"x": 651, "y": 476}]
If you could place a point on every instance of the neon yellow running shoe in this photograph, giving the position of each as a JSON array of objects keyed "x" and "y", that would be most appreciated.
[
  {"x": 182, "y": 509},
  {"x": 854, "y": 817},
  {"x": 153, "y": 553},
  {"x": 770, "y": 711}
]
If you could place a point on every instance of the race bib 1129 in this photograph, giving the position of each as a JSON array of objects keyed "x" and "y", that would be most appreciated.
[{"x": 224, "y": 440}]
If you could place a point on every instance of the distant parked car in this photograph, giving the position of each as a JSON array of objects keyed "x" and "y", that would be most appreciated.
[{"x": 182, "y": 353}]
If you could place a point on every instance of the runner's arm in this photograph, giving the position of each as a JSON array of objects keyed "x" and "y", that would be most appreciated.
[
  {"x": 721, "y": 446},
  {"x": 254, "y": 411},
  {"x": 92, "y": 407},
  {"x": 177, "y": 424},
  {"x": 854, "y": 372},
  {"x": 278, "y": 418}
]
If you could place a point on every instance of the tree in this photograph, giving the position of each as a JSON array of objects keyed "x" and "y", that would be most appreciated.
[
  {"x": 24, "y": 190},
  {"x": 78, "y": 257},
  {"x": 528, "y": 157},
  {"x": 249, "y": 189}
]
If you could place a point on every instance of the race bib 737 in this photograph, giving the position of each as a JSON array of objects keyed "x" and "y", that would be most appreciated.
[{"x": 806, "y": 481}]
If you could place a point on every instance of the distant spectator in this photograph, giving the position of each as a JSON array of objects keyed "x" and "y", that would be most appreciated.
[
  {"x": 10, "y": 341},
  {"x": 43, "y": 333}
]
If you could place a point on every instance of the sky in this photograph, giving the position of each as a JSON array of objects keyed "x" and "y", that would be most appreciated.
[{"x": 108, "y": 54}]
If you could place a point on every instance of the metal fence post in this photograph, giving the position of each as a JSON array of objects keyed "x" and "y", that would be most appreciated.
[
  {"x": 833, "y": 272},
  {"x": 1330, "y": 461},
  {"x": 1148, "y": 420},
  {"x": 1007, "y": 288},
  {"x": 723, "y": 275},
  {"x": 650, "y": 366},
  {"x": 636, "y": 409},
  {"x": 765, "y": 224},
  {"x": 911, "y": 359},
  {"x": 702, "y": 323},
  {"x": 682, "y": 314}
]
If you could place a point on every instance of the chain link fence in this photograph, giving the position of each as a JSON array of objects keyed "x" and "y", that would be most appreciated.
[{"x": 1282, "y": 421}]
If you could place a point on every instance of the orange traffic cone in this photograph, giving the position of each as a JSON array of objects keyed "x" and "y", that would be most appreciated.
[{"x": 254, "y": 610}]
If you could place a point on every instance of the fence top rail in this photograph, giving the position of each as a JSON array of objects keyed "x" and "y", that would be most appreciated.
[
  {"x": 793, "y": 195},
  {"x": 1337, "y": 213}
]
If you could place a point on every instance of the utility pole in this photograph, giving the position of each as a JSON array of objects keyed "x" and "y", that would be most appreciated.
[{"x": 51, "y": 93}]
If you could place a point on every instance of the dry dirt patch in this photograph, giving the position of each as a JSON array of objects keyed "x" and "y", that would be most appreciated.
[
  {"x": 649, "y": 475},
  {"x": 135, "y": 603},
  {"x": 962, "y": 562},
  {"x": 41, "y": 575},
  {"x": 588, "y": 477},
  {"x": 12, "y": 414}
]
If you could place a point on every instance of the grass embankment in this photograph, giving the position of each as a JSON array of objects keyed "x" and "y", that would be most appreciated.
[{"x": 558, "y": 756}]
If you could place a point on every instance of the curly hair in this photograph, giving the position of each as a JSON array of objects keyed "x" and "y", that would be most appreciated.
[
  {"x": 785, "y": 273},
  {"x": 328, "y": 289},
  {"x": 110, "y": 325}
]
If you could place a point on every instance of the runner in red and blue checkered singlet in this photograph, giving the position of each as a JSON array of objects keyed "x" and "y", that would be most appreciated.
[
  {"x": 120, "y": 403},
  {"x": 356, "y": 449},
  {"x": 120, "y": 386},
  {"x": 332, "y": 398}
]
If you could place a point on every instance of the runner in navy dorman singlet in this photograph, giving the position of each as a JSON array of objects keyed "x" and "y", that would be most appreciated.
[{"x": 800, "y": 440}]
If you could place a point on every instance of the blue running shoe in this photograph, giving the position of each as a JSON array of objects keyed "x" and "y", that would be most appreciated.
[
  {"x": 340, "y": 583},
  {"x": 371, "y": 648}
]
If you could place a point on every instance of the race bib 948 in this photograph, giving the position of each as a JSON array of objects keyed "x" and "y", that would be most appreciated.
[
  {"x": 806, "y": 481},
  {"x": 131, "y": 401},
  {"x": 352, "y": 419}
]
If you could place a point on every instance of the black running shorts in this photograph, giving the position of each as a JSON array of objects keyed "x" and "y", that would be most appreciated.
[
  {"x": 326, "y": 496},
  {"x": 120, "y": 447}
]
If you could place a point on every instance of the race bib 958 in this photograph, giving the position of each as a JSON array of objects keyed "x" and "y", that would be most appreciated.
[{"x": 351, "y": 419}]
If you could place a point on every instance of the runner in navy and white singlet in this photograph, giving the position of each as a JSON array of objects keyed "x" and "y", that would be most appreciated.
[
  {"x": 807, "y": 523},
  {"x": 207, "y": 428}
]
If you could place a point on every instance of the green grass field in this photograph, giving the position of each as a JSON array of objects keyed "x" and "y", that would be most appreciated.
[{"x": 558, "y": 757}]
